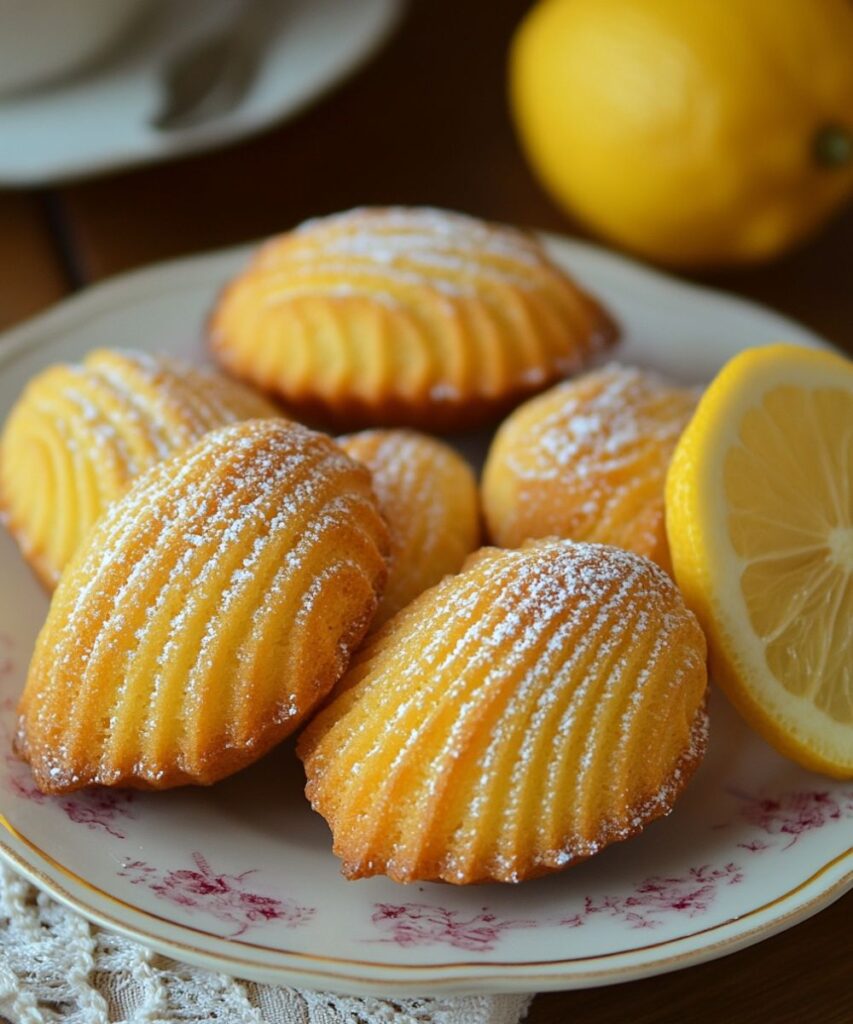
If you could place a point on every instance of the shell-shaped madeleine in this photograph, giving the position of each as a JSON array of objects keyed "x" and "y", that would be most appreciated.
[
  {"x": 206, "y": 614},
  {"x": 428, "y": 495},
  {"x": 512, "y": 720},
  {"x": 81, "y": 433},
  {"x": 405, "y": 316},
  {"x": 587, "y": 460}
]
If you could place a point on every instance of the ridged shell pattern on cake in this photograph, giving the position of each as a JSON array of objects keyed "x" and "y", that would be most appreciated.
[
  {"x": 429, "y": 498},
  {"x": 81, "y": 433},
  {"x": 207, "y": 613},
  {"x": 513, "y": 720},
  {"x": 398, "y": 316},
  {"x": 587, "y": 460}
]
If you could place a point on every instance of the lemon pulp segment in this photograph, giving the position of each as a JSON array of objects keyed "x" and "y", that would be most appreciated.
[{"x": 791, "y": 523}]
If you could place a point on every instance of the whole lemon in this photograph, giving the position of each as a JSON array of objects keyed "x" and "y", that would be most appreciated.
[{"x": 694, "y": 132}]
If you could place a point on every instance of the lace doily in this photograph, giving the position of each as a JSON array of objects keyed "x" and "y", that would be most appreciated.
[{"x": 55, "y": 966}]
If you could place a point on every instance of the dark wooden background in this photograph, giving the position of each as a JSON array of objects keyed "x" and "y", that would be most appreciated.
[{"x": 427, "y": 122}]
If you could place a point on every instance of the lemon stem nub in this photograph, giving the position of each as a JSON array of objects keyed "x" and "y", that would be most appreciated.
[{"x": 833, "y": 146}]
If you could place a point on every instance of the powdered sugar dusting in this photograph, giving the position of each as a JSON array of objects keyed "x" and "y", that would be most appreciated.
[
  {"x": 564, "y": 650},
  {"x": 587, "y": 460},
  {"x": 179, "y": 577},
  {"x": 417, "y": 309},
  {"x": 393, "y": 250},
  {"x": 600, "y": 429},
  {"x": 429, "y": 497},
  {"x": 81, "y": 433}
]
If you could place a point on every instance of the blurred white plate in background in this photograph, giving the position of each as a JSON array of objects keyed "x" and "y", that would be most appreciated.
[{"x": 99, "y": 120}]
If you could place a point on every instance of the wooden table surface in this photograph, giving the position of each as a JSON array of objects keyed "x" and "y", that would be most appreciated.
[{"x": 426, "y": 122}]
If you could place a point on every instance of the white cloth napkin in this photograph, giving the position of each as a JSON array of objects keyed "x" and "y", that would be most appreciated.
[{"x": 55, "y": 966}]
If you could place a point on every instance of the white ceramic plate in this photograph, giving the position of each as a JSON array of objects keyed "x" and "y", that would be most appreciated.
[
  {"x": 240, "y": 877},
  {"x": 99, "y": 121}
]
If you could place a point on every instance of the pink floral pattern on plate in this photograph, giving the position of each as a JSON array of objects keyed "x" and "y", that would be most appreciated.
[
  {"x": 98, "y": 809},
  {"x": 656, "y": 897},
  {"x": 419, "y": 924},
  {"x": 226, "y": 897},
  {"x": 791, "y": 815}
]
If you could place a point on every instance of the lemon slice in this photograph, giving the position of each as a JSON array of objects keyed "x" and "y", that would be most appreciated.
[{"x": 759, "y": 516}]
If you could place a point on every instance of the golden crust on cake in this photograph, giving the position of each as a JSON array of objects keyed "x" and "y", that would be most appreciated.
[
  {"x": 81, "y": 433},
  {"x": 208, "y": 612},
  {"x": 587, "y": 460},
  {"x": 428, "y": 495},
  {"x": 513, "y": 720},
  {"x": 405, "y": 317}
]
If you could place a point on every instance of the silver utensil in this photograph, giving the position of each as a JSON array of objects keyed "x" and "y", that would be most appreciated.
[{"x": 212, "y": 75}]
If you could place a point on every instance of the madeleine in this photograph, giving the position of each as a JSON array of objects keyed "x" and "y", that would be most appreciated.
[
  {"x": 513, "y": 720},
  {"x": 404, "y": 317},
  {"x": 208, "y": 612},
  {"x": 80, "y": 434}
]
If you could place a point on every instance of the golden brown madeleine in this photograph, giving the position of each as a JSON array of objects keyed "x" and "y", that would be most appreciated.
[
  {"x": 429, "y": 498},
  {"x": 512, "y": 720},
  {"x": 206, "y": 614},
  {"x": 80, "y": 434},
  {"x": 587, "y": 460},
  {"x": 405, "y": 316}
]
